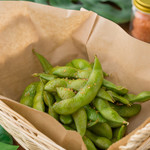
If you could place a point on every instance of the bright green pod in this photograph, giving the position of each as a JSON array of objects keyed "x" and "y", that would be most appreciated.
[
  {"x": 114, "y": 124},
  {"x": 107, "y": 112},
  {"x": 94, "y": 115},
  {"x": 28, "y": 94},
  {"x": 126, "y": 111},
  {"x": 119, "y": 132},
  {"x": 66, "y": 119},
  {"x": 70, "y": 72},
  {"x": 89, "y": 144},
  {"x": 65, "y": 93},
  {"x": 117, "y": 89},
  {"x": 45, "y": 76},
  {"x": 80, "y": 119},
  {"x": 69, "y": 64},
  {"x": 57, "y": 98},
  {"x": 38, "y": 102},
  {"x": 53, "y": 84},
  {"x": 91, "y": 123},
  {"x": 73, "y": 84},
  {"x": 49, "y": 101},
  {"x": 102, "y": 129},
  {"x": 44, "y": 62},
  {"x": 81, "y": 64},
  {"x": 104, "y": 95},
  {"x": 85, "y": 95},
  {"x": 100, "y": 142},
  {"x": 141, "y": 97},
  {"x": 129, "y": 97},
  {"x": 119, "y": 98}
]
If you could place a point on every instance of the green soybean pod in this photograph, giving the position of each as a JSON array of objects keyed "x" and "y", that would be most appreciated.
[
  {"x": 53, "y": 84},
  {"x": 71, "y": 72},
  {"x": 80, "y": 119},
  {"x": 104, "y": 95},
  {"x": 119, "y": 98},
  {"x": 57, "y": 98},
  {"x": 107, "y": 112},
  {"x": 94, "y": 115},
  {"x": 91, "y": 123},
  {"x": 28, "y": 94},
  {"x": 66, "y": 119},
  {"x": 85, "y": 95},
  {"x": 69, "y": 64},
  {"x": 100, "y": 142},
  {"x": 49, "y": 100},
  {"x": 45, "y": 76},
  {"x": 65, "y": 93},
  {"x": 76, "y": 84},
  {"x": 102, "y": 129},
  {"x": 117, "y": 89},
  {"x": 89, "y": 144},
  {"x": 119, "y": 132},
  {"x": 141, "y": 97},
  {"x": 129, "y": 96},
  {"x": 114, "y": 124},
  {"x": 127, "y": 111},
  {"x": 44, "y": 62},
  {"x": 81, "y": 64},
  {"x": 38, "y": 102}
]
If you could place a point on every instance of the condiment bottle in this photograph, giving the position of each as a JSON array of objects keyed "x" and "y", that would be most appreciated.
[{"x": 140, "y": 22}]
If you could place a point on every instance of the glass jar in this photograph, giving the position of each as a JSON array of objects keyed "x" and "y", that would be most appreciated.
[{"x": 140, "y": 22}]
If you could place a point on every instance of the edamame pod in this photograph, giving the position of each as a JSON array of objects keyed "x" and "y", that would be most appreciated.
[
  {"x": 69, "y": 64},
  {"x": 126, "y": 111},
  {"x": 119, "y": 132},
  {"x": 38, "y": 102},
  {"x": 44, "y": 62},
  {"x": 28, "y": 94},
  {"x": 53, "y": 84},
  {"x": 65, "y": 93},
  {"x": 117, "y": 89},
  {"x": 100, "y": 142},
  {"x": 89, "y": 144},
  {"x": 66, "y": 119},
  {"x": 114, "y": 124},
  {"x": 141, "y": 97},
  {"x": 80, "y": 119},
  {"x": 94, "y": 115},
  {"x": 107, "y": 112},
  {"x": 104, "y": 95},
  {"x": 57, "y": 98},
  {"x": 45, "y": 76},
  {"x": 85, "y": 95},
  {"x": 70, "y": 72},
  {"x": 48, "y": 99},
  {"x": 119, "y": 98},
  {"x": 73, "y": 84},
  {"x": 102, "y": 129},
  {"x": 81, "y": 64}
]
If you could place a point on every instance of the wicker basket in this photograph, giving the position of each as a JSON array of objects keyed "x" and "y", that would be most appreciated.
[
  {"x": 31, "y": 139},
  {"x": 23, "y": 131}
]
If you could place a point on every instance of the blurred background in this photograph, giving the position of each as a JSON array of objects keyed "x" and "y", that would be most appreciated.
[
  {"x": 118, "y": 11},
  {"x": 132, "y": 15}
]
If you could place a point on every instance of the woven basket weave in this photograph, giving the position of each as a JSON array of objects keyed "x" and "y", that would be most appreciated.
[
  {"x": 24, "y": 132},
  {"x": 31, "y": 139}
]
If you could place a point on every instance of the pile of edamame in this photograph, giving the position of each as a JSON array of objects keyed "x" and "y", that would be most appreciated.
[{"x": 81, "y": 99}]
